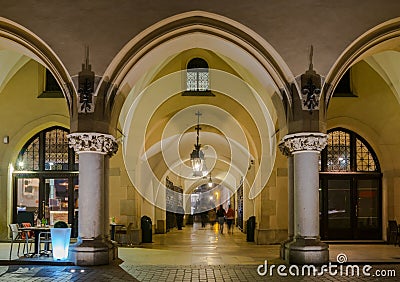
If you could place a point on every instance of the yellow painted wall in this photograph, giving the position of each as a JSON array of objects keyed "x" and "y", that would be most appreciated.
[
  {"x": 374, "y": 115},
  {"x": 125, "y": 201},
  {"x": 22, "y": 115}
]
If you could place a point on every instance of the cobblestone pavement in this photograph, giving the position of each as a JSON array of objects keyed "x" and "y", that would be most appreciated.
[
  {"x": 64, "y": 273},
  {"x": 125, "y": 272},
  {"x": 250, "y": 273},
  {"x": 201, "y": 254}
]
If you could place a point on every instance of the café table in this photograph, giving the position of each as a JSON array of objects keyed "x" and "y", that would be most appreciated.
[
  {"x": 113, "y": 229},
  {"x": 36, "y": 230}
]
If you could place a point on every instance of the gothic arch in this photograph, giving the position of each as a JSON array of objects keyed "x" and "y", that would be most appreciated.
[
  {"x": 161, "y": 41},
  {"x": 134, "y": 71},
  {"x": 376, "y": 39},
  {"x": 20, "y": 39}
]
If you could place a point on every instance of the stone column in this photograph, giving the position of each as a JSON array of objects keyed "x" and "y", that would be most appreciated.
[
  {"x": 106, "y": 195},
  {"x": 290, "y": 197},
  {"x": 306, "y": 247},
  {"x": 285, "y": 244},
  {"x": 93, "y": 246}
]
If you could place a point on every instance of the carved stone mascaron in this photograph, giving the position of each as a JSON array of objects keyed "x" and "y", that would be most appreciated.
[
  {"x": 93, "y": 142},
  {"x": 301, "y": 142}
]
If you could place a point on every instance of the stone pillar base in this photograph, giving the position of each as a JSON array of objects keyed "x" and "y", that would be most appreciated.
[
  {"x": 284, "y": 249},
  {"x": 93, "y": 252},
  {"x": 307, "y": 251}
]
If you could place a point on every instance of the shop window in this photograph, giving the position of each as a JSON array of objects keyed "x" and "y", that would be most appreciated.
[
  {"x": 350, "y": 189},
  {"x": 46, "y": 177}
]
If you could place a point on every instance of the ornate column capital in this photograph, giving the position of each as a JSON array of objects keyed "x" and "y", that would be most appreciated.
[
  {"x": 302, "y": 142},
  {"x": 93, "y": 142}
]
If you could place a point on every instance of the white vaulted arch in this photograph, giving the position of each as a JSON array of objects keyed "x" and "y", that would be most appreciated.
[{"x": 258, "y": 85}]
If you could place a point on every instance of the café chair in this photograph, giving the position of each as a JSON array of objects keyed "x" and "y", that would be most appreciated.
[
  {"x": 18, "y": 236},
  {"x": 30, "y": 234},
  {"x": 44, "y": 238},
  {"x": 124, "y": 231}
]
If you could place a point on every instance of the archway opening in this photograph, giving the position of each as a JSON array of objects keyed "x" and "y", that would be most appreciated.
[{"x": 350, "y": 189}]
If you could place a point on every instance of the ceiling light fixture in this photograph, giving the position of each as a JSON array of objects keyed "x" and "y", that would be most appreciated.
[
  {"x": 197, "y": 155},
  {"x": 210, "y": 183}
]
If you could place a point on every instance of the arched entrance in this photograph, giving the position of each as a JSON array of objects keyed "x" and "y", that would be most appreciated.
[
  {"x": 367, "y": 63},
  {"x": 46, "y": 179},
  {"x": 350, "y": 189},
  {"x": 156, "y": 111}
]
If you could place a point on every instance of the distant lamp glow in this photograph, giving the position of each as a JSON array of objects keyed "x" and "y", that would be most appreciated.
[
  {"x": 197, "y": 159},
  {"x": 210, "y": 183},
  {"x": 197, "y": 155},
  {"x": 60, "y": 238}
]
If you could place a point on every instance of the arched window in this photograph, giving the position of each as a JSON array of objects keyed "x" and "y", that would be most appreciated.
[
  {"x": 346, "y": 151},
  {"x": 46, "y": 178},
  {"x": 197, "y": 75},
  {"x": 350, "y": 189},
  {"x": 197, "y": 78},
  {"x": 47, "y": 150}
]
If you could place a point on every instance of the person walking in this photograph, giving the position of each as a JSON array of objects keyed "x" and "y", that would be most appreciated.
[
  {"x": 230, "y": 217},
  {"x": 212, "y": 217},
  {"x": 180, "y": 213},
  {"x": 221, "y": 218},
  {"x": 203, "y": 217}
]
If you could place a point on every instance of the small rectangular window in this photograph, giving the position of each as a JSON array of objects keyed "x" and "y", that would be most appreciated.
[
  {"x": 344, "y": 89},
  {"x": 52, "y": 89}
]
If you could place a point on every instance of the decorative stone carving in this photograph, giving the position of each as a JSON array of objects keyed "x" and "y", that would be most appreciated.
[
  {"x": 284, "y": 150},
  {"x": 86, "y": 79},
  {"x": 305, "y": 141},
  {"x": 310, "y": 87},
  {"x": 93, "y": 142},
  {"x": 310, "y": 95}
]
